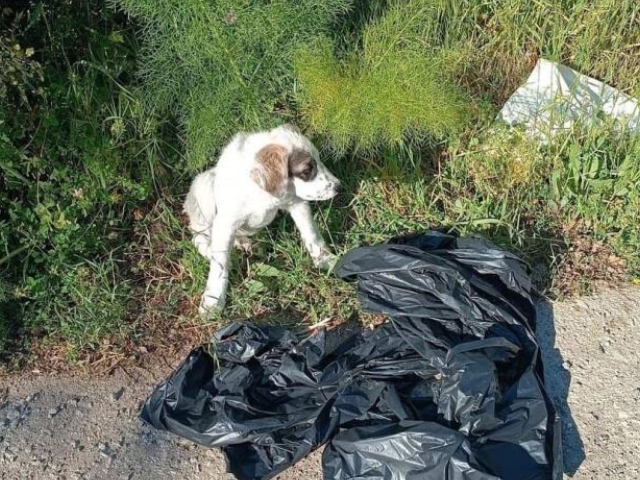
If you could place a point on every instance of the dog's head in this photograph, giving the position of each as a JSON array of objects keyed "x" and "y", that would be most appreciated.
[{"x": 290, "y": 164}]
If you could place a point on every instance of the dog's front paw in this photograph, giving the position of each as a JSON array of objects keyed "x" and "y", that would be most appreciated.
[
  {"x": 326, "y": 261},
  {"x": 210, "y": 304}
]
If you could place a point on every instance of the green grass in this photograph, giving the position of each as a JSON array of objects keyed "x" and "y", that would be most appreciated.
[
  {"x": 96, "y": 263},
  {"x": 572, "y": 220}
]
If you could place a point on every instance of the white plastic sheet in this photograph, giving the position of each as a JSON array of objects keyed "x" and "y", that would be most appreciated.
[{"x": 555, "y": 96}]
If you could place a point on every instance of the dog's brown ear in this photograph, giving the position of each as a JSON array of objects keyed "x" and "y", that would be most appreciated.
[{"x": 272, "y": 170}]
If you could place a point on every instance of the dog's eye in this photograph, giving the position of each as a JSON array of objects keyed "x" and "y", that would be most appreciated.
[
  {"x": 306, "y": 173},
  {"x": 302, "y": 166}
]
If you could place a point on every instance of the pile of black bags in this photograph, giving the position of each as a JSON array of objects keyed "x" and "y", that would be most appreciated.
[{"x": 450, "y": 388}]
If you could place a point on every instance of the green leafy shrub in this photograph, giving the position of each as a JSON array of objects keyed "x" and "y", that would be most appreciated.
[
  {"x": 225, "y": 66},
  {"x": 569, "y": 208},
  {"x": 395, "y": 85},
  {"x": 77, "y": 154},
  {"x": 581, "y": 190}
]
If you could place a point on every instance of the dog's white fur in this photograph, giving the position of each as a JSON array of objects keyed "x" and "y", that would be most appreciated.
[{"x": 250, "y": 183}]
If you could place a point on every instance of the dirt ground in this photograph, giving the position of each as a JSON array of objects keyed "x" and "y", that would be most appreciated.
[{"x": 84, "y": 428}]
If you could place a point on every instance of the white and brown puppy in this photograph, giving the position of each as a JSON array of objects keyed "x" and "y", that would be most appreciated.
[{"x": 257, "y": 175}]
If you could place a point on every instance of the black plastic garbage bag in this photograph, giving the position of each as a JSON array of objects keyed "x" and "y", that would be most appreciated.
[
  {"x": 402, "y": 450},
  {"x": 450, "y": 388}
]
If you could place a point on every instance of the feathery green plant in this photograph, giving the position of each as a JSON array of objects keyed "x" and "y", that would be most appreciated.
[
  {"x": 395, "y": 85},
  {"x": 225, "y": 65}
]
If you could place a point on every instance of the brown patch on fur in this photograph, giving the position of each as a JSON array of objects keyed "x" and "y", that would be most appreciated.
[{"x": 273, "y": 172}]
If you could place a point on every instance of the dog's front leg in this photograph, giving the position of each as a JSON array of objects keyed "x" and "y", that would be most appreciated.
[
  {"x": 313, "y": 241},
  {"x": 222, "y": 236}
]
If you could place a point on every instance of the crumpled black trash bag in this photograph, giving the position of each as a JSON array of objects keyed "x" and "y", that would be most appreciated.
[{"x": 450, "y": 388}]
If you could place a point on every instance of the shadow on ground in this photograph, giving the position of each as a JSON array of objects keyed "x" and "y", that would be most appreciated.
[{"x": 557, "y": 381}]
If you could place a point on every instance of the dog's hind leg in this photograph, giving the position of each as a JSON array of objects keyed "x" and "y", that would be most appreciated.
[{"x": 201, "y": 213}]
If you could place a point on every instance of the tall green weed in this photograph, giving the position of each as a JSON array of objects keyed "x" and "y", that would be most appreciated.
[
  {"x": 225, "y": 66},
  {"x": 394, "y": 86}
]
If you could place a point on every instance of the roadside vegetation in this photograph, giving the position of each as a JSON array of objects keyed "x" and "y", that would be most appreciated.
[{"x": 107, "y": 110}]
